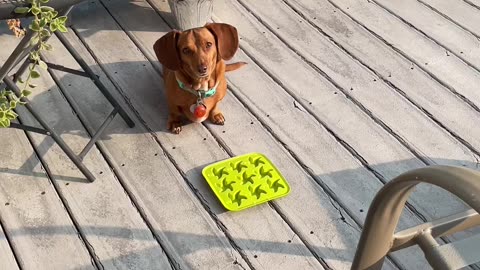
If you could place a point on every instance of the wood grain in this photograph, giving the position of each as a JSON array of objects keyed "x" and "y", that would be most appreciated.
[
  {"x": 266, "y": 245},
  {"x": 191, "y": 13}
]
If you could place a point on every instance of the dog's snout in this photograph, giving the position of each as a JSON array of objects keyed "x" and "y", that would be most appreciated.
[{"x": 202, "y": 68}]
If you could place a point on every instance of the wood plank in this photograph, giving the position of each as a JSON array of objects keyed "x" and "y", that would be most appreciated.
[
  {"x": 375, "y": 96},
  {"x": 459, "y": 12},
  {"x": 35, "y": 219},
  {"x": 458, "y": 41},
  {"x": 188, "y": 233},
  {"x": 446, "y": 108},
  {"x": 473, "y": 3},
  {"x": 181, "y": 146},
  {"x": 445, "y": 68},
  {"x": 113, "y": 227},
  {"x": 266, "y": 246},
  {"x": 7, "y": 258},
  {"x": 432, "y": 57},
  {"x": 149, "y": 39}
]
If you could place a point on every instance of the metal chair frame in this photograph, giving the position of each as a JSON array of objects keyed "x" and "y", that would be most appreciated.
[
  {"x": 378, "y": 238},
  {"x": 21, "y": 53}
]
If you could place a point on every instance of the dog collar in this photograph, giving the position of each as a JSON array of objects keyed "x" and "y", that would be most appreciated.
[{"x": 199, "y": 93}]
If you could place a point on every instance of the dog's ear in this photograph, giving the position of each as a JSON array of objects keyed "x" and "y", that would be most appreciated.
[
  {"x": 227, "y": 39},
  {"x": 166, "y": 50}
]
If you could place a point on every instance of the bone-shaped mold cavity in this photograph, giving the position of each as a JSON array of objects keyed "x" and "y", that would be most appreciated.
[
  {"x": 256, "y": 161},
  {"x": 219, "y": 172},
  {"x": 275, "y": 185},
  {"x": 247, "y": 179},
  {"x": 238, "y": 197},
  {"x": 257, "y": 191},
  {"x": 265, "y": 172},
  {"x": 239, "y": 166}
]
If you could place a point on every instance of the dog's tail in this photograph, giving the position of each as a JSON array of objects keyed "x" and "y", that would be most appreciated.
[{"x": 234, "y": 66}]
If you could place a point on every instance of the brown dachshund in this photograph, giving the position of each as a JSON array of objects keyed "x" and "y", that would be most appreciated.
[{"x": 194, "y": 71}]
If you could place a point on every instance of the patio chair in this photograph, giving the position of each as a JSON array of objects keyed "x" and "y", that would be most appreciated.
[
  {"x": 378, "y": 237},
  {"x": 19, "y": 56}
]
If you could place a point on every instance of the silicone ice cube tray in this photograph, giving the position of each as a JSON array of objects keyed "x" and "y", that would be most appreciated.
[{"x": 245, "y": 181}]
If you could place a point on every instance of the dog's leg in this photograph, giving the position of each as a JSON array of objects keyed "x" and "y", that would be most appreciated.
[
  {"x": 174, "y": 122},
  {"x": 216, "y": 116}
]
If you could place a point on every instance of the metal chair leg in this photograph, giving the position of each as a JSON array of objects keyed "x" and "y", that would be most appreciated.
[
  {"x": 16, "y": 55},
  {"x": 68, "y": 151},
  {"x": 22, "y": 51}
]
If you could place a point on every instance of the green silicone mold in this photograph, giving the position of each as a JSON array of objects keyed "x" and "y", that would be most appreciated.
[{"x": 245, "y": 181}]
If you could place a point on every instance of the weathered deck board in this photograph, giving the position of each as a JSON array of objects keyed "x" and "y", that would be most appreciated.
[
  {"x": 411, "y": 81},
  {"x": 459, "y": 12},
  {"x": 335, "y": 65},
  {"x": 7, "y": 258},
  {"x": 442, "y": 31},
  {"x": 444, "y": 67},
  {"x": 189, "y": 235},
  {"x": 446, "y": 107},
  {"x": 473, "y": 3},
  {"x": 113, "y": 228},
  {"x": 292, "y": 102},
  {"x": 34, "y": 218},
  {"x": 289, "y": 122},
  {"x": 267, "y": 245},
  {"x": 36, "y": 222},
  {"x": 441, "y": 64}
]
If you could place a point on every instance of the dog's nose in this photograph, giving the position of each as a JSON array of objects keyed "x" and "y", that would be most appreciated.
[{"x": 202, "y": 68}]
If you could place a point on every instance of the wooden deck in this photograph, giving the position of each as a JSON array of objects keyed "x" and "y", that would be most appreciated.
[{"x": 342, "y": 95}]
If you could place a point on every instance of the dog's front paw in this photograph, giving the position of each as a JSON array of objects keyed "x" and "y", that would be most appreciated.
[
  {"x": 174, "y": 126},
  {"x": 218, "y": 119}
]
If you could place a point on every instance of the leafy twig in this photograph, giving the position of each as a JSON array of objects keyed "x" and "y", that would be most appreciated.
[{"x": 45, "y": 22}]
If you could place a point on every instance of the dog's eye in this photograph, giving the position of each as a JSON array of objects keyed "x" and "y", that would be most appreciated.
[
  {"x": 209, "y": 44},
  {"x": 186, "y": 51}
]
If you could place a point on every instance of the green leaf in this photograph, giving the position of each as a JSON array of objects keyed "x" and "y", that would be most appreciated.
[
  {"x": 35, "y": 26},
  {"x": 47, "y": 46},
  {"x": 11, "y": 115},
  {"x": 53, "y": 27},
  {"x": 43, "y": 22},
  {"x": 34, "y": 41},
  {"x": 4, "y": 123},
  {"x": 42, "y": 64},
  {"x": 3, "y": 99},
  {"x": 44, "y": 1},
  {"x": 62, "y": 19},
  {"x": 2, "y": 114},
  {"x": 26, "y": 93},
  {"x": 13, "y": 104},
  {"x": 47, "y": 9},
  {"x": 36, "y": 10},
  {"x": 20, "y": 80},
  {"x": 35, "y": 74},
  {"x": 32, "y": 85},
  {"x": 46, "y": 33},
  {"x": 22, "y": 10},
  {"x": 34, "y": 56},
  {"x": 62, "y": 28},
  {"x": 54, "y": 14}
]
